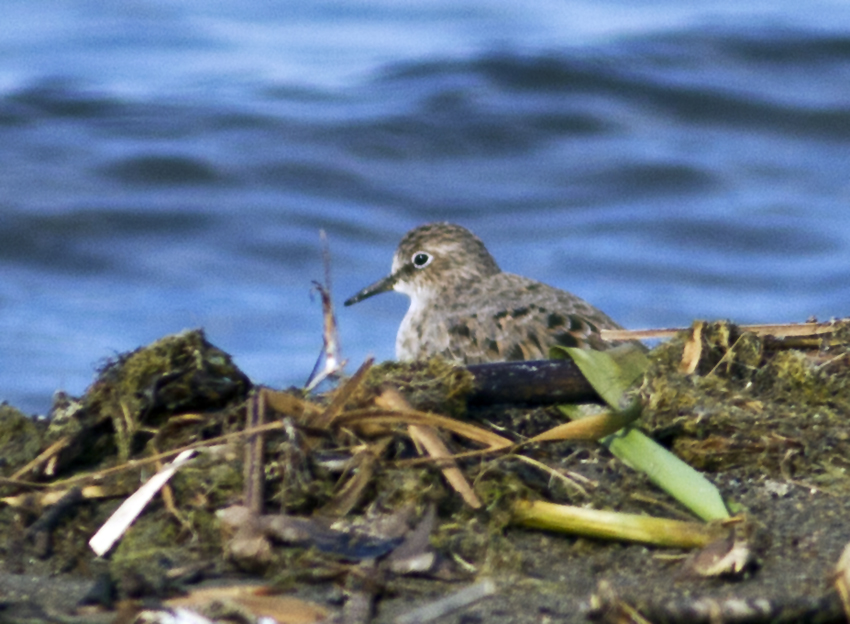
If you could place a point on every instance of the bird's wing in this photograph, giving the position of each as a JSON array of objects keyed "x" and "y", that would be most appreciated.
[{"x": 524, "y": 330}]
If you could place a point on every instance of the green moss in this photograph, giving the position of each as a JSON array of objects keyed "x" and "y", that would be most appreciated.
[
  {"x": 434, "y": 385},
  {"x": 148, "y": 549},
  {"x": 141, "y": 389},
  {"x": 207, "y": 484},
  {"x": 21, "y": 439},
  {"x": 71, "y": 551},
  {"x": 749, "y": 404}
]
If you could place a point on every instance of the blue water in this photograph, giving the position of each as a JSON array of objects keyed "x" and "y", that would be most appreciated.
[{"x": 167, "y": 165}]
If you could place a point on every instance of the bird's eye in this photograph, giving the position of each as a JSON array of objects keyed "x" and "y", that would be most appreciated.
[{"x": 422, "y": 259}]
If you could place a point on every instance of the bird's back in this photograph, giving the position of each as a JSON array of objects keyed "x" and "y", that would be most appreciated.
[{"x": 502, "y": 317}]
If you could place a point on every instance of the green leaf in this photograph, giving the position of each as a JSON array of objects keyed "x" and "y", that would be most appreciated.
[
  {"x": 612, "y": 373},
  {"x": 668, "y": 472}
]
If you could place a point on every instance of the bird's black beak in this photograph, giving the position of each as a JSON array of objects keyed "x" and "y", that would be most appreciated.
[{"x": 375, "y": 289}]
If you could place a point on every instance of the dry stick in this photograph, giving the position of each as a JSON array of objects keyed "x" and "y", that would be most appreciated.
[
  {"x": 168, "y": 499},
  {"x": 410, "y": 416},
  {"x": 781, "y": 329},
  {"x": 253, "y": 469},
  {"x": 341, "y": 397},
  {"x": 554, "y": 474},
  {"x": 333, "y": 362},
  {"x": 362, "y": 467},
  {"x": 437, "y": 461},
  {"x": 44, "y": 456},
  {"x": 291, "y": 405},
  {"x": 438, "y": 609},
  {"x": 589, "y": 429},
  {"x": 802, "y": 343},
  {"x": 19, "y": 483},
  {"x": 427, "y": 437},
  {"x": 45, "y": 499},
  {"x": 693, "y": 350}
]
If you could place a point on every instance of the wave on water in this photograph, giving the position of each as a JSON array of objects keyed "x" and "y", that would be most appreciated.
[{"x": 663, "y": 175}]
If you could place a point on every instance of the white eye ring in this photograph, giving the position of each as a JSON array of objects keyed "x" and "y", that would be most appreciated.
[{"x": 421, "y": 259}]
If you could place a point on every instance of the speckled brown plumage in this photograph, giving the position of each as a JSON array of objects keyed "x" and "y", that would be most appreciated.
[{"x": 465, "y": 308}]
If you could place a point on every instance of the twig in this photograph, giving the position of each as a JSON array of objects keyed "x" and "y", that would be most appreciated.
[
  {"x": 333, "y": 362},
  {"x": 44, "y": 456},
  {"x": 168, "y": 498},
  {"x": 442, "y": 607},
  {"x": 341, "y": 396},
  {"x": 389, "y": 416},
  {"x": 51, "y": 497},
  {"x": 778, "y": 330},
  {"x": 19, "y": 483},
  {"x": 253, "y": 469},
  {"x": 552, "y": 473}
]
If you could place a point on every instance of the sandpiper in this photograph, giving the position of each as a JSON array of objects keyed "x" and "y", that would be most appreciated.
[{"x": 463, "y": 307}]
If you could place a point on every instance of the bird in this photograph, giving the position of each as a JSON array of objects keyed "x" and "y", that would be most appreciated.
[{"x": 464, "y": 308}]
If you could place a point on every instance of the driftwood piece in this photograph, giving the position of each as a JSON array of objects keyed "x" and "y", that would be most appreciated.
[{"x": 534, "y": 382}]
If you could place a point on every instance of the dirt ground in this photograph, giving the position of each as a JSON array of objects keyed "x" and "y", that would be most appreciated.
[{"x": 803, "y": 534}]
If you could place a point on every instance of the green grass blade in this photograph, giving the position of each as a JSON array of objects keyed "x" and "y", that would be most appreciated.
[
  {"x": 668, "y": 472},
  {"x": 611, "y": 374}
]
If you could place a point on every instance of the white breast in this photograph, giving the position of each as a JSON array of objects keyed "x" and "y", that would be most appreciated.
[{"x": 421, "y": 333}]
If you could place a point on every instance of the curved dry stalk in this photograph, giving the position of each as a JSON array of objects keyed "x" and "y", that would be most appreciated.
[
  {"x": 552, "y": 473},
  {"x": 341, "y": 396},
  {"x": 591, "y": 428},
  {"x": 414, "y": 417}
]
